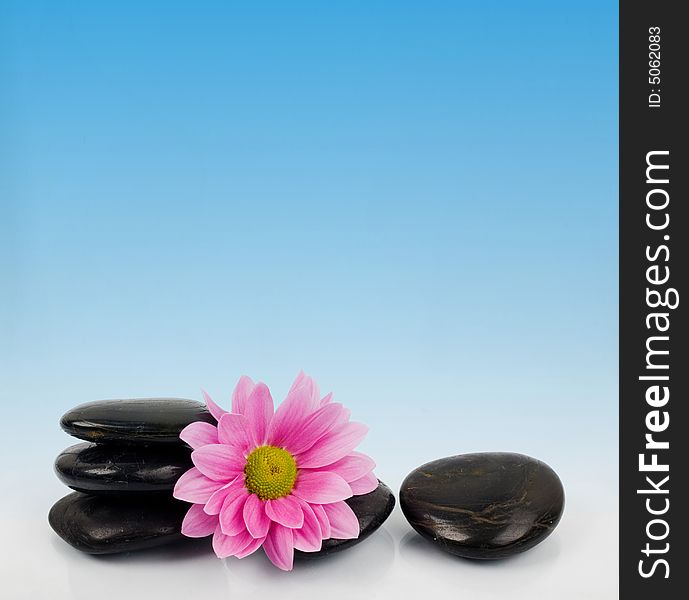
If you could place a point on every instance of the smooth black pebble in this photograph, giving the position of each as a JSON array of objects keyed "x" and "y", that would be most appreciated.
[
  {"x": 108, "y": 525},
  {"x": 113, "y": 524},
  {"x": 372, "y": 509},
  {"x": 122, "y": 469},
  {"x": 486, "y": 505},
  {"x": 140, "y": 420}
]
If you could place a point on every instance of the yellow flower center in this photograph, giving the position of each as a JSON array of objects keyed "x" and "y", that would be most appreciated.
[{"x": 270, "y": 472}]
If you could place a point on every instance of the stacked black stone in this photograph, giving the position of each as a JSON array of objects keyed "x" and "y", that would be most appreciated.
[{"x": 125, "y": 471}]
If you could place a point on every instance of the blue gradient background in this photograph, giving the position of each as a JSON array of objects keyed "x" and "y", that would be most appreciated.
[{"x": 415, "y": 202}]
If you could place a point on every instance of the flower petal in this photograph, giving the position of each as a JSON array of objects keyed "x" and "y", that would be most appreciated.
[
  {"x": 232, "y": 513},
  {"x": 214, "y": 409},
  {"x": 351, "y": 467},
  {"x": 279, "y": 546},
  {"x": 199, "y": 434},
  {"x": 334, "y": 446},
  {"x": 364, "y": 485},
  {"x": 292, "y": 411},
  {"x": 251, "y": 548},
  {"x": 194, "y": 486},
  {"x": 233, "y": 430},
  {"x": 255, "y": 517},
  {"x": 316, "y": 426},
  {"x": 327, "y": 398},
  {"x": 241, "y": 393},
  {"x": 319, "y": 511},
  {"x": 302, "y": 380},
  {"x": 259, "y": 412},
  {"x": 344, "y": 524},
  {"x": 197, "y": 523},
  {"x": 228, "y": 545},
  {"x": 218, "y": 461},
  {"x": 315, "y": 393},
  {"x": 217, "y": 499},
  {"x": 298, "y": 380},
  {"x": 286, "y": 510},
  {"x": 308, "y": 538},
  {"x": 311, "y": 387},
  {"x": 321, "y": 487}
]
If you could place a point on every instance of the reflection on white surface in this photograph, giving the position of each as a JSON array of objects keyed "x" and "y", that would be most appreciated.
[
  {"x": 190, "y": 570},
  {"x": 522, "y": 570},
  {"x": 357, "y": 570},
  {"x": 178, "y": 571},
  {"x": 579, "y": 560}
]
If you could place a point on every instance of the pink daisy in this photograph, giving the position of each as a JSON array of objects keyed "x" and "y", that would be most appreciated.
[{"x": 275, "y": 479}]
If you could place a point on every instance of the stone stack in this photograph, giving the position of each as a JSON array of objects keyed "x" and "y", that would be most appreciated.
[{"x": 125, "y": 471}]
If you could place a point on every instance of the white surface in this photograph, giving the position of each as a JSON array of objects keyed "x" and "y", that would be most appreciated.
[{"x": 579, "y": 560}]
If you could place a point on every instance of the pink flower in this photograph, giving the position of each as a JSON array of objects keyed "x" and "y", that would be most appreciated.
[{"x": 276, "y": 479}]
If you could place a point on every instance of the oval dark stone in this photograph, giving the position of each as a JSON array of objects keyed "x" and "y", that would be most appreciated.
[
  {"x": 107, "y": 525},
  {"x": 122, "y": 469},
  {"x": 137, "y": 420},
  {"x": 372, "y": 509},
  {"x": 112, "y": 524},
  {"x": 485, "y": 505}
]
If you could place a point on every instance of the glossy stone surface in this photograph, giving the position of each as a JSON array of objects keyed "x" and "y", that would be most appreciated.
[
  {"x": 122, "y": 469},
  {"x": 140, "y": 420},
  {"x": 372, "y": 509},
  {"x": 485, "y": 505},
  {"x": 107, "y": 525},
  {"x": 112, "y": 524}
]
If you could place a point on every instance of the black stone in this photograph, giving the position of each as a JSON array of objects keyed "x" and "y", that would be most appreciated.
[
  {"x": 112, "y": 524},
  {"x": 122, "y": 469},
  {"x": 486, "y": 505},
  {"x": 107, "y": 525},
  {"x": 141, "y": 420},
  {"x": 372, "y": 509}
]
